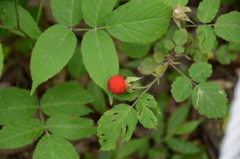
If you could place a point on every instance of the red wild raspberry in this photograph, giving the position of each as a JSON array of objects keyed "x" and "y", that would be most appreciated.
[{"x": 117, "y": 84}]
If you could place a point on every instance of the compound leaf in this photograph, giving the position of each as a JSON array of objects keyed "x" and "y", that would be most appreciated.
[
  {"x": 70, "y": 127},
  {"x": 16, "y": 104},
  {"x": 134, "y": 50},
  {"x": 206, "y": 38},
  {"x": 228, "y": 26},
  {"x": 68, "y": 98},
  {"x": 99, "y": 56},
  {"x": 52, "y": 146},
  {"x": 121, "y": 120},
  {"x": 139, "y": 21},
  {"x": 145, "y": 115},
  {"x": 180, "y": 36},
  {"x": 20, "y": 133},
  {"x": 96, "y": 12},
  {"x": 210, "y": 100},
  {"x": 181, "y": 146},
  {"x": 1, "y": 59},
  {"x": 68, "y": 12},
  {"x": 188, "y": 127},
  {"x": 200, "y": 71},
  {"x": 53, "y": 50},
  {"x": 181, "y": 89},
  {"x": 207, "y": 10}
]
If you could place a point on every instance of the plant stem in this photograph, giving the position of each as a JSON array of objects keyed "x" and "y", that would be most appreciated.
[
  {"x": 7, "y": 27},
  {"x": 39, "y": 11},
  {"x": 183, "y": 74},
  {"x": 200, "y": 25},
  {"x": 82, "y": 29}
]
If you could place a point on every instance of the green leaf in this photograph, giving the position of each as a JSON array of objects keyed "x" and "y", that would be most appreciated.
[
  {"x": 210, "y": 100},
  {"x": 20, "y": 133},
  {"x": 70, "y": 127},
  {"x": 130, "y": 147},
  {"x": 177, "y": 118},
  {"x": 168, "y": 44},
  {"x": 206, "y": 38},
  {"x": 99, "y": 102},
  {"x": 145, "y": 115},
  {"x": 68, "y": 12},
  {"x": 228, "y": 26},
  {"x": 160, "y": 46},
  {"x": 96, "y": 12},
  {"x": 1, "y": 59},
  {"x": 51, "y": 146},
  {"x": 147, "y": 66},
  {"x": 179, "y": 49},
  {"x": 119, "y": 121},
  {"x": 67, "y": 98},
  {"x": 139, "y": 21},
  {"x": 75, "y": 66},
  {"x": 53, "y": 50},
  {"x": 16, "y": 104},
  {"x": 180, "y": 36},
  {"x": 207, "y": 10},
  {"x": 27, "y": 24},
  {"x": 126, "y": 96},
  {"x": 234, "y": 46},
  {"x": 225, "y": 56},
  {"x": 200, "y": 71},
  {"x": 134, "y": 50},
  {"x": 188, "y": 127},
  {"x": 158, "y": 57},
  {"x": 181, "y": 146},
  {"x": 99, "y": 56},
  {"x": 181, "y": 89},
  {"x": 174, "y": 3}
]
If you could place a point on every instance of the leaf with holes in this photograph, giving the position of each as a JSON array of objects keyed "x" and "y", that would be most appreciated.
[
  {"x": 139, "y": 21},
  {"x": 53, "y": 50},
  {"x": 20, "y": 133},
  {"x": 200, "y": 71},
  {"x": 210, "y": 100},
  {"x": 68, "y": 98},
  {"x": 119, "y": 121},
  {"x": 145, "y": 115}
]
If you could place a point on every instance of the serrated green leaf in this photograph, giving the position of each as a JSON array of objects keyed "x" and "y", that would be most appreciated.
[
  {"x": 210, "y": 100},
  {"x": 134, "y": 50},
  {"x": 119, "y": 121},
  {"x": 27, "y": 24},
  {"x": 180, "y": 36},
  {"x": 177, "y": 118},
  {"x": 53, "y": 50},
  {"x": 225, "y": 56},
  {"x": 200, "y": 71},
  {"x": 99, "y": 56},
  {"x": 67, "y": 98},
  {"x": 96, "y": 12},
  {"x": 147, "y": 66},
  {"x": 145, "y": 115},
  {"x": 70, "y": 127},
  {"x": 99, "y": 102},
  {"x": 16, "y": 104},
  {"x": 179, "y": 49},
  {"x": 130, "y": 147},
  {"x": 68, "y": 12},
  {"x": 228, "y": 26},
  {"x": 20, "y": 133},
  {"x": 174, "y": 3},
  {"x": 139, "y": 21},
  {"x": 206, "y": 38},
  {"x": 181, "y": 89},
  {"x": 1, "y": 59},
  {"x": 51, "y": 146},
  {"x": 181, "y": 146},
  {"x": 168, "y": 44},
  {"x": 207, "y": 10},
  {"x": 188, "y": 127},
  {"x": 158, "y": 57},
  {"x": 75, "y": 66}
]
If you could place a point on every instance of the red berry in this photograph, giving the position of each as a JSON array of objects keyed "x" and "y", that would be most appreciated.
[{"x": 116, "y": 84}]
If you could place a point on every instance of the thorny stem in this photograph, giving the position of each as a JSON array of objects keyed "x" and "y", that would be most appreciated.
[
  {"x": 39, "y": 11},
  {"x": 182, "y": 74}
]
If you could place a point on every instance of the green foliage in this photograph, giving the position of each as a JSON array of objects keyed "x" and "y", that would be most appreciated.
[
  {"x": 206, "y": 37},
  {"x": 68, "y": 13},
  {"x": 134, "y": 50},
  {"x": 1, "y": 59},
  {"x": 52, "y": 146},
  {"x": 68, "y": 98},
  {"x": 200, "y": 71},
  {"x": 147, "y": 66},
  {"x": 168, "y": 44},
  {"x": 16, "y": 104},
  {"x": 53, "y": 49},
  {"x": 224, "y": 55},
  {"x": 207, "y": 10},
  {"x": 180, "y": 37},
  {"x": 188, "y": 127},
  {"x": 120, "y": 120}
]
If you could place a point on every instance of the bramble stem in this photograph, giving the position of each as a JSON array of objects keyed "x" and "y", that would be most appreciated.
[{"x": 39, "y": 11}]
